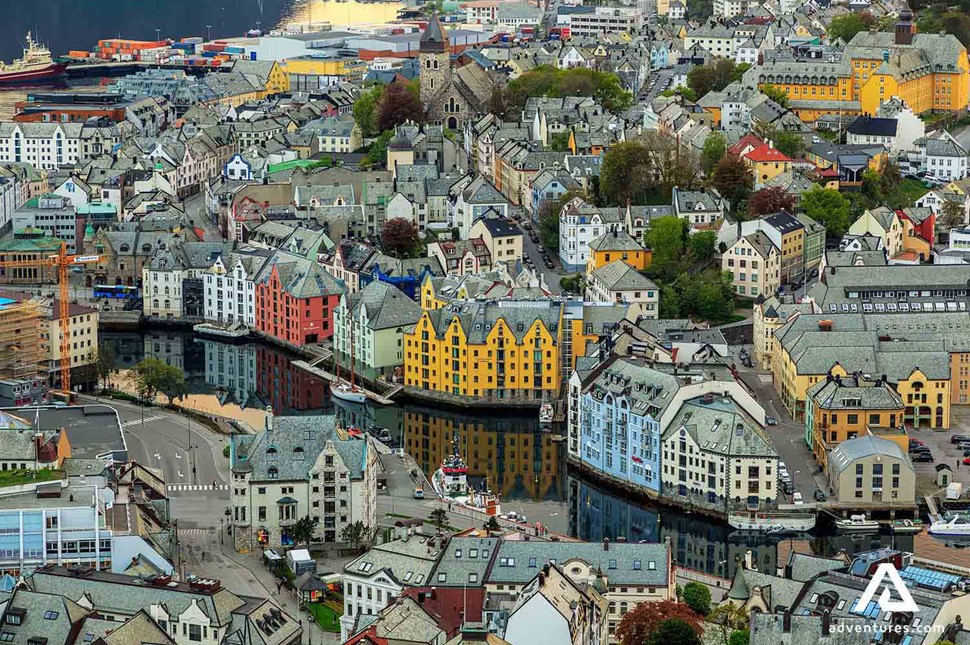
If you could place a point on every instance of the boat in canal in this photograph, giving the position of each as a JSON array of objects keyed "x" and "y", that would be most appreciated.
[
  {"x": 907, "y": 527},
  {"x": 340, "y": 387},
  {"x": 450, "y": 483},
  {"x": 857, "y": 524},
  {"x": 772, "y": 522},
  {"x": 955, "y": 526}
]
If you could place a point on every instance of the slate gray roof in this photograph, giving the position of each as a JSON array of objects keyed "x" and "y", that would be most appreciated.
[
  {"x": 620, "y": 276},
  {"x": 464, "y": 561},
  {"x": 804, "y": 566},
  {"x": 855, "y": 258},
  {"x": 409, "y": 562},
  {"x": 478, "y": 318},
  {"x": 769, "y": 629},
  {"x": 722, "y": 427},
  {"x": 481, "y": 191},
  {"x": 36, "y": 621},
  {"x": 847, "y": 392},
  {"x": 301, "y": 277},
  {"x": 845, "y": 454},
  {"x": 779, "y": 591},
  {"x": 648, "y": 391},
  {"x": 613, "y": 241},
  {"x": 518, "y": 562},
  {"x": 386, "y": 306},
  {"x": 289, "y": 437}
]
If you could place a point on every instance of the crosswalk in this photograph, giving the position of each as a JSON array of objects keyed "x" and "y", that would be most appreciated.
[
  {"x": 197, "y": 531},
  {"x": 196, "y": 487},
  {"x": 136, "y": 422}
]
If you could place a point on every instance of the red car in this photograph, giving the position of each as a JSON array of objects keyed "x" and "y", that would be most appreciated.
[{"x": 966, "y": 461}]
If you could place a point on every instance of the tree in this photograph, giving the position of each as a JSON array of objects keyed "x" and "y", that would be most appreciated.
[
  {"x": 847, "y": 26},
  {"x": 728, "y": 619},
  {"x": 439, "y": 517},
  {"x": 400, "y": 103},
  {"x": 698, "y": 597},
  {"x": 708, "y": 295},
  {"x": 713, "y": 77},
  {"x": 739, "y": 637},
  {"x": 739, "y": 71},
  {"x": 153, "y": 376},
  {"x": 366, "y": 110},
  {"x": 666, "y": 237},
  {"x": 639, "y": 624},
  {"x": 304, "y": 528},
  {"x": 686, "y": 92},
  {"x": 105, "y": 363},
  {"x": 559, "y": 142},
  {"x": 399, "y": 236},
  {"x": 672, "y": 164},
  {"x": 549, "y": 210},
  {"x": 951, "y": 216},
  {"x": 775, "y": 94},
  {"x": 674, "y": 632},
  {"x": 788, "y": 143},
  {"x": 547, "y": 80},
  {"x": 625, "y": 173},
  {"x": 702, "y": 246},
  {"x": 715, "y": 148},
  {"x": 828, "y": 207},
  {"x": 491, "y": 524},
  {"x": 731, "y": 173},
  {"x": 353, "y": 534},
  {"x": 377, "y": 151},
  {"x": 770, "y": 200}
]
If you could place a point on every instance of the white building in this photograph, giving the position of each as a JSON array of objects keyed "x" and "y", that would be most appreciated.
[
  {"x": 579, "y": 224},
  {"x": 942, "y": 156},
  {"x": 230, "y": 288},
  {"x": 51, "y": 145},
  {"x": 554, "y": 610},
  {"x": 172, "y": 282},
  {"x": 606, "y": 20},
  {"x": 754, "y": 262},
  {"x": 618, "y": 282},
  {"x": 296, "y": 467},
  {"x": 374, "y": 580},
  {"x": 716, "y": 452}
]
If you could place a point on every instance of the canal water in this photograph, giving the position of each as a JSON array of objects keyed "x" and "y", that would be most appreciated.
[{"x": 507, "y": 450}]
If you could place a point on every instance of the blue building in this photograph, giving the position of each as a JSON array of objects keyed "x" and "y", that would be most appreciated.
[{"x": 620, "y": 412}]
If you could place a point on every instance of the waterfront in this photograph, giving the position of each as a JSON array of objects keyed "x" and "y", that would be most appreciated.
[{"x": 508, "y": 451}]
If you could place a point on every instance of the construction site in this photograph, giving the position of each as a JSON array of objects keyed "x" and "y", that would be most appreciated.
[{"x": 22, "y": 356}]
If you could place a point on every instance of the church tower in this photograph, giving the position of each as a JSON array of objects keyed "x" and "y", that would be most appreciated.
[{"x": 433, "y": 58}]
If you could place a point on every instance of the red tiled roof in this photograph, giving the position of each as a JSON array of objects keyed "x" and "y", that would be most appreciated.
[
  {"x": 765, "y": 153},
  {"x": 448, "y": 605},
  {"x": 748, "y": 140}
]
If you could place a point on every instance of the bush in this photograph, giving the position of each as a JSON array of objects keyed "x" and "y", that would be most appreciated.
[{"x": 698, "y": 597}]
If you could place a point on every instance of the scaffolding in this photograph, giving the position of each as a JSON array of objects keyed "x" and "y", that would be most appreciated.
[{"x": 21, "y": 354}]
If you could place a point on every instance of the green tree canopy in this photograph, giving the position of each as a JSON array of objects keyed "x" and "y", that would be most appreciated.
[
  {"x": 828, "y": 207},
  {"x": 304, "y": 528},
  {"x": 730, "y": 173},
  {"x": 775, "y": 94},
  {"x": 153, "y": 376},
  {"x": 377, "y": 152},
  {"x": 366, "y": 110},
  {"x": 715, "y": 147},
  {"x": 712, "y": 77},
  {"x": 698, "y": 597},
  {"x": 789, "y": 144},
  {"x": 400, "y": 103},
  {"x": 674, "y": 631},
  {"x": 625, "y": 174},
  {"x": 640, "y": 623},
  {"x": 847, "y": 26},
  {"x": 666, "y": 237},
  {"x": 547, "y": 80}
]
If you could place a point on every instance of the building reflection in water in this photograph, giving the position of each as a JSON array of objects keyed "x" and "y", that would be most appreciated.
[{"x": 698, "y": 542}]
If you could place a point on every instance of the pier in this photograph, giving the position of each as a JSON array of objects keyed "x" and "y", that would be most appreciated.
[{"x": 329, "y": 377}]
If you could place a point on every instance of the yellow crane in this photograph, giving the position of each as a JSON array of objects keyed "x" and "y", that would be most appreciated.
[{"x": 62, "y": 262}]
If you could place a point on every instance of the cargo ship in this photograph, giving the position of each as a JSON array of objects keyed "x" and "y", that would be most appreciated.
[{"x": 36, "y": 64}]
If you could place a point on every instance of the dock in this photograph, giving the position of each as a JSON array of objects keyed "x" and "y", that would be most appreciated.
[
  {"x": 319, "y": 372},
  {"x": 931, "y": 505}
]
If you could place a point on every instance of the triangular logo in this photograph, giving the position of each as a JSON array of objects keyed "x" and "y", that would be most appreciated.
[{"x": 886, "y": 603}]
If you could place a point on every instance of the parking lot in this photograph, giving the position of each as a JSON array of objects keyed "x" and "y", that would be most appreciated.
[{"x": 943, "y": 452}]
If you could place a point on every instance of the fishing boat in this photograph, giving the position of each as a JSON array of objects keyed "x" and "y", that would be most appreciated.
[
  {"x": 956, "y": 526},
  {"x": 36, "y": 64},
  {"x": 450, "y": 483},
  {"x": 234, "y": 332},
  {"x": 907, "y": 526},
  {"x": 340, "y": 387},
  {"x": 765, "y": 521},
  {"x": 546, "y": 414},
  {"x": 857, "y": 524}
]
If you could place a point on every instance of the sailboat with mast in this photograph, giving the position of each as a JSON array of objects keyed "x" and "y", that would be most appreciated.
[{"x": 340, "y": 387}]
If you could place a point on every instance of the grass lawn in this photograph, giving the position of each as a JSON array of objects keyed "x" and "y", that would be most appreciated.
[
  {"x": 18, "y": 477},
  {"x": 327, "y": 617},
  {"x": 913, "y": 188}
]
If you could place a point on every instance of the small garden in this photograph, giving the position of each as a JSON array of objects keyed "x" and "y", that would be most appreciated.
[
  {"x": 23, "y": 476},
  {"x": 326, "y": 614}
]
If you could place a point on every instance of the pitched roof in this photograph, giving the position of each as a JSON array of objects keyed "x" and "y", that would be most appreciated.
[
  {"x": 620, "y": 276},
  {"x": 434, "y": 38},
  {"x": 385, "y": 305},
  {"x": 766, "y": 153}
]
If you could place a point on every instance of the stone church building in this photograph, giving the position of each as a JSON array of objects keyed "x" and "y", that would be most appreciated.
[{"x": 450, "y": 96}]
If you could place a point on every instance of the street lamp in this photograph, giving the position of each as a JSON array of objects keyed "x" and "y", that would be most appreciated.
[
  {"x": 208, "y": 32},
  {"x": 158, "y": 34}
]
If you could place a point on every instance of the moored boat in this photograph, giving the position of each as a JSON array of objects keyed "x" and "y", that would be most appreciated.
[
  {"x": 907, "y": 526},
  {"x": 956, "y": 526},
  {"x": 774, "y": 521},
  {"x": 857, "y": 524},
  {"x": 346, "y": 391},
  {"x": 35, "y": 65}
]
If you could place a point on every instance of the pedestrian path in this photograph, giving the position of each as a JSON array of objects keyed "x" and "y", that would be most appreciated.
[
  {"x": 138, "y": 422},
  {"x": 196, "y": 487},
  {"x": 196, "y": 531}
]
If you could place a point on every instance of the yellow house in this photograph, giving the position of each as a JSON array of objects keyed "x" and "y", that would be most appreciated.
[
  {"x": 268, "y": 75},
  {"x": 487, "y": 351},
  {"x": 614, "y": 245},
  {"x": 766, "y": 162},
  {"x": 504, "y": 241},
  {"x": 309, "y": 73},
  {"x": 846, "y": 406}
]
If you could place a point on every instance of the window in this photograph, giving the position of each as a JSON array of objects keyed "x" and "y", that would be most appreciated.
[
  {"x": 195, "y": 633},
  {"x": 50, "y": 615}
]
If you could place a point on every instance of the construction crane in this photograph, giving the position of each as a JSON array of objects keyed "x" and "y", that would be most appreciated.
[{"x": 62, "y": 262}]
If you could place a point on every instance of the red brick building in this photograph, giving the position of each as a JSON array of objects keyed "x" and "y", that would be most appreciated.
[{"x": 295, "y": 299}]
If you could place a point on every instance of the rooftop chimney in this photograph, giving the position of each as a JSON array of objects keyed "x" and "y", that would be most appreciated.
[
  {"x": 269, "y": 419},
  {"x": 786, "y": 622}
]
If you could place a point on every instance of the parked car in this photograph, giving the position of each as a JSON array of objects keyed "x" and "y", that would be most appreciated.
[
  {"x": 549, "y": 264},
  {"x": 819, "y": 495},
  {"x": 915, "y": 442},
  {"x": 963, "y": 445},
  {"x": 957, "y": 438},
  {"x": 921, "y": 456},
  {"x": 788, "y": 488},
  {"x": 796, "y": 499},
  {"x": 771, "y": 421}
]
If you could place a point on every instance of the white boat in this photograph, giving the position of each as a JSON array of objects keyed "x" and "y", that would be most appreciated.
[
  {"x": 908, "y": 526},
  {"x": 772, "y": 521},
  {"x": 450, "y": 483},
  {"x": 545, "y": 414},
  {"x": 343, "y": 389},
  {"x": 346, "y": 391},
  {"x": 857, "y": 524},
  {"x": 956, "y": 526},
  {"x": 235, "y": 331}
]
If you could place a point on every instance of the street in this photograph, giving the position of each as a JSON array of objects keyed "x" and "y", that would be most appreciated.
[{"x": 530, "y": 249}]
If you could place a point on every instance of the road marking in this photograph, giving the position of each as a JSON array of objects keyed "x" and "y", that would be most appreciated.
[
  {"x": 196, "y": 487},
  {"x": 135, "y": 422}
]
